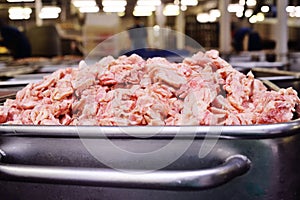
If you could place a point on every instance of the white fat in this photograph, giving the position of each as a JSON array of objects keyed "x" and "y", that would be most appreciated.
[{"x": 82, "y": 64}]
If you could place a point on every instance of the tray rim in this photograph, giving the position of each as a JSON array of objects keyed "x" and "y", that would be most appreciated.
[{"x": 262, "y": 131}]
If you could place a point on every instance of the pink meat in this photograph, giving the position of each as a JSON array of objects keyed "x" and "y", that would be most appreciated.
[{"x": 202, "y": 90}]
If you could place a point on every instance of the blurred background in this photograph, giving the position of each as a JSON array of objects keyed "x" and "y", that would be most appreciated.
[{"x": 239, "y": 29}]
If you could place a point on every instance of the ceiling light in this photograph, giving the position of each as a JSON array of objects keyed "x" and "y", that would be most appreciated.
[
  {"x": 14, "y": 10},
  {"x": 148, "y": 2},
  {"x": 84, "y": 3},
  {"x": 253, "y": 19},
  {"x": 248, "y": 12},
  {"x": 183, "y": 8},
  {"x": 13, "y": 1},
  {"x": 50, "y": 12},
  {"x": 141, "y": 14},
  {"x": 215, "y": 13},
  {"x": 18, "y": 16},
  {"x": 239, "y": 14},
  {"x": 144, "y": 8},
  {"x": 290, "y": 9},
  {"x": 242, "y": 2},
  {"x": 92, "y": 9},
  {"x": 176, "y": 2},
  {"x": 107, "y": 3},
  {"x": 260, "y": 17},
  {"x": 265, "y": 9},
  {"x": 114, "y": 9},
  {"x": 189, "y": 2},
  {"x": 171, "y": 10},
  {"x": 297, "y": 11},
  {"x": 294, "y": 11},
  {"x": 121, "y": 14},
  {"x": 235, "y": 8},
  {"x": 292, "y": 14},
  {"x": 19, "y": 13},
  {"x": 251, "y": 2},
  {"x": 51, "y": 9},
  {"x": 203, "y": 17},
  {"x": 44, "y": 15},
  {"x": 156, "y": 28}
]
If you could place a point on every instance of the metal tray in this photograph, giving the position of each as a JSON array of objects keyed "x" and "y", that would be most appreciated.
[
  {"x": 11, "y": 71},
  {"x": 53, "y": 162},
  {"x": 261, "y": 131}
]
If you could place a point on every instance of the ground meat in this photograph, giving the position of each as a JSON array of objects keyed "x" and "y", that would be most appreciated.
[{"x": 202, "y": 90}]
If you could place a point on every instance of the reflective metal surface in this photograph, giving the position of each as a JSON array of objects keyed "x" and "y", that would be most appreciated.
[
  {"x": 190, "y": 179},
  {"x": 272, "y": 149}
]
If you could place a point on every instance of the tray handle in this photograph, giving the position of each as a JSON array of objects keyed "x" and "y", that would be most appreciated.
[{"x": 233, "y": 167}]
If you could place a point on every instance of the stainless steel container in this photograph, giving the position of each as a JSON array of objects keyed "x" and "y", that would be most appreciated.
[{"x": 243, "y": 162}]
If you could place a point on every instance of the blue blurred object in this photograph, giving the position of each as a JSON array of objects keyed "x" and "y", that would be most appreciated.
[{"x": 14, "y": 40}]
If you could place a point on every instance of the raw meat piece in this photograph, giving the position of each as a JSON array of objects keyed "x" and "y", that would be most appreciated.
[{"x": 202, "y": 90}]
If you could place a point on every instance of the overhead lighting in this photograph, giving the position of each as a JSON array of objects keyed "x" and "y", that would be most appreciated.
[
  {"x": 212, "y": 16},
  {"x": 265, "y": 9},
  {"x": 50, "y": 12},
  {"x": 121, "y": 14},
  {"x": 13, "y": 10},
  {"x": 248, "y": 13},
  {"x": 140, "y": 11},
  {"x": 114, "y": 9},
  {"x": 253, "y": 19},
  {"x": 14, "y": 1},
  {"x": 51, "y": 9},
  {"x": 156, "y": 28},
  {"x": 251, "y": 3},
  {"x": 171, "y": 10},
  {"x": 183, "y": 7},
  {"x": 290, "y": 9},
  {"x": 294, "y": 11},
  {"x": 44, "y": 15},
  {"x": 18, "y": 16},
  {"x": 297, "y": 11},
  {"x": 292, "y": 14},
  {"x": 203, "y": 17},
  {"x": 242, "y": 2},
  {"x": 239, "y": 14},
  {"x": 84, "y": 3},
  {"x": 260, "y": 17},
  {"x": 19, "y": 13},
  {"x": 141, "y": 14},
  {"x": 144, "y": 8},
  {"x": 215, "y": 13},
  {"x": 189, "y": 2},
  {"x": 234, "y": 8},
  {"x": 107, "y": 3},
  {"x": 148, "y": 2},
  {"x": 92, "y": 9}
]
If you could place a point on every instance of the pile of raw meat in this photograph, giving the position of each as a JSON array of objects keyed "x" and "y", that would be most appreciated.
[{"x": 202, "y": 90}]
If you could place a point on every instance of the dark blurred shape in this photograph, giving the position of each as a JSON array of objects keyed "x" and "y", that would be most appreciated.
[
  {"x": 238, "y": 38},
  {"x": 268, "y": 44},
  {"x": 271, "y": 57},
  {"x": 45, "y": 41},
  {"x": 254, "y": 42},
  {"x": 294, "y": 45},
  {"x": 14, "y": 40},
  {"x": 176, "y": 55},
  {"x": 138, "y": 34},
  {"x": 70, "y": 47}
]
